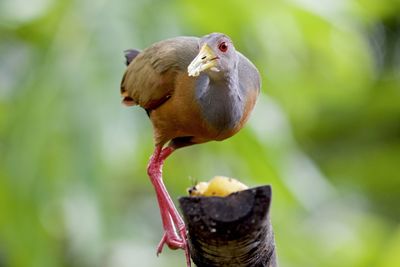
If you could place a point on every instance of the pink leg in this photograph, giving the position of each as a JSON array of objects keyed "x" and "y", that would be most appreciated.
[{"x": 172, "y": 221}]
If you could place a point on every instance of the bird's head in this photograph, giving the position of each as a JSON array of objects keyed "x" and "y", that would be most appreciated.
[{"x": 216, "y": 54}]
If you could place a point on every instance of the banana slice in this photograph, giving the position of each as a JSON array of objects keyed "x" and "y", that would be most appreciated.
[{"x": 218, "y": 186}]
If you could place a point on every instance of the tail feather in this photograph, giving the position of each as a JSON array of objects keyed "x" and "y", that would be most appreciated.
[{"x": 130, "y": 54}]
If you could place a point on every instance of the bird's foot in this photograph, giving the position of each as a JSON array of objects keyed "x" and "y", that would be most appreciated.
[
  {"x": 181, "y": 228},
  {"x": 173, "y": 241},
  {"x": 182, "y": 231}
]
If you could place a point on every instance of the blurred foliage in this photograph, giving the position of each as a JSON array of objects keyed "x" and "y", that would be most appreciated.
[{"x": 325, "y": 132}]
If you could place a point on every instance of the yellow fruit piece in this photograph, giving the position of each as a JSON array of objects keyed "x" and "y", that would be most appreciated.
[
  {"x": 198, "y": 190},
  {"x": 218, "y": 186}
]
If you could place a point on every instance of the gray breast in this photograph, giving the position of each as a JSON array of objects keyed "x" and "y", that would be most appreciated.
[{"x": 222, "y": 106}]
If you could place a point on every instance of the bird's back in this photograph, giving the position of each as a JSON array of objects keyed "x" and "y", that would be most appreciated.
[{"x": 150, "y": 77}]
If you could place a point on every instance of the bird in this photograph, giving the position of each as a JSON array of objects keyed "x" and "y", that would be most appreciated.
[{"x": 194, "y": 90}]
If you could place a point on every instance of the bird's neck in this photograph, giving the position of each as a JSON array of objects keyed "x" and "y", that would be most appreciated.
[
  {"x": 227, "y": 83},
  {"x": 226, "y": 78},
  {"x": 221, "y": 99}
]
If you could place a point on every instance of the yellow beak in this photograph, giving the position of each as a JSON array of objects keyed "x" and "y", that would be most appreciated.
[{"x": 206, "y": 59}]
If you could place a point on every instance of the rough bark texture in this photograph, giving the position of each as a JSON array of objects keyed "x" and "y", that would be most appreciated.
[{"x": 231, "y": 231}]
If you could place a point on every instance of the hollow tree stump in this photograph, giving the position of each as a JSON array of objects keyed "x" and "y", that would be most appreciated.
[{"x": 231, "y": 231}]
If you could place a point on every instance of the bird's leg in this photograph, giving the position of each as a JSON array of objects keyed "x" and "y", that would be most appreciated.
[
  {"x": 175, "y": 216},
  {"x": 170, "y": 236},
  {"x": 169, "y": 215}
]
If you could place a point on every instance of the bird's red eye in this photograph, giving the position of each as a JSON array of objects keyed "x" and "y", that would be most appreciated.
[{"x": 223, "y": 47}]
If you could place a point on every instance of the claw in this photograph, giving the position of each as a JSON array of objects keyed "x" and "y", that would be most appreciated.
[{"x": 161, "y": 244}]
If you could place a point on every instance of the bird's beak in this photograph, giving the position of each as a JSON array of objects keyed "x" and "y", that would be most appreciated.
[{"x": 206, "y": 59}]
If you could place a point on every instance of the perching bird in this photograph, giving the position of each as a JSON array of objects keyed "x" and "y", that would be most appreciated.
[{"x": 194, "y": 90}]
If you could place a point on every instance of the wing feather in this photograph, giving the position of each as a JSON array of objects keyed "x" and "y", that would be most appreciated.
[{"x": 149, "y": 79}]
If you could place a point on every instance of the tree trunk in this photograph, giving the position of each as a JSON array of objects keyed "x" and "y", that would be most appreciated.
[{"x": 231, "y": 231}]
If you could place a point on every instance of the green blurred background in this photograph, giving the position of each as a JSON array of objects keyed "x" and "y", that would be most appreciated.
[{"x": 325, "y": 132}]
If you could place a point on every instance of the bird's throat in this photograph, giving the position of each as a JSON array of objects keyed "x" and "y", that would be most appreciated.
[{"x": 221, "y": 100}]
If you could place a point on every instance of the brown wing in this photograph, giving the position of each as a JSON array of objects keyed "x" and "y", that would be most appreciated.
[{"x": 149, "y": 79}]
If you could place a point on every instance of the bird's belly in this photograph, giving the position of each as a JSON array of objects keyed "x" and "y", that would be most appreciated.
[
  {"x": 184, "y": 116},
  {"x": 170, "y": 123},
  {"x": 181, "y": 116}
]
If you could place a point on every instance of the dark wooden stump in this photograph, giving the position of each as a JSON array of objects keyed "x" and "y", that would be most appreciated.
[{"x": 231, "y": 231}]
